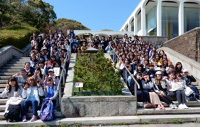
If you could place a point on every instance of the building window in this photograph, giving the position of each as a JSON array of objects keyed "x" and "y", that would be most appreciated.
[
  {"x": 191, "y": 18},
  {"x": 170, "y": 22},
  {"x": 151, "y": 22},
  {"x": 139, "y": 22}
]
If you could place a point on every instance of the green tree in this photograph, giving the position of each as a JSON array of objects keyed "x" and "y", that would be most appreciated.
[
  {"x": 5, "y": 9},
  {"x": 33, "y": 12},
  {"x": 65, "y": 24}
]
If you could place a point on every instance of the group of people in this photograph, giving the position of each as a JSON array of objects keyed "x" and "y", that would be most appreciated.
[
  {"x": 158, "y": 80},
  {"x": 39, "y": 79}
]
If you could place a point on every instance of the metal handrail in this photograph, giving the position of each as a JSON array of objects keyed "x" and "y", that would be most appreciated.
[
  {"x": 135, "y": 88},
  {"x": 62, "y": 79}
]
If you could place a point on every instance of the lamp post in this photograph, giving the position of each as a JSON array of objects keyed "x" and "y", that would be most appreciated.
[{"x": 92, "y": 51}]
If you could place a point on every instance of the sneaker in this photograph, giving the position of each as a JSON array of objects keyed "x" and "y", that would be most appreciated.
[
  {"x": 24, "y": 119},
  {"x": 185, "y": 106},
  {"x": 160, "y": 107},
  {"x": 198, "y": 100},
  {"x": 181, "y": 106},
  {"x": 175, "y": 107},
  {"x": 34, "y": 118},
  {"x": 172, "y": 106}
]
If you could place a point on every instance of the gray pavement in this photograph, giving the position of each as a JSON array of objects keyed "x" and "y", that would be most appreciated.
[{"x": 156, "y": 125}]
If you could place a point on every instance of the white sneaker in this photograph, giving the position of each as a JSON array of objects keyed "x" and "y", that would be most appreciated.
[
  {"x": 171, "y": 106},
  {"x": 24, "y": 119},
  {"x": 198, "y": 100},
  {"x": 175, "y": 107},
  {"x": 185, "y": 106},
  {"x": 181, "y": 106}
]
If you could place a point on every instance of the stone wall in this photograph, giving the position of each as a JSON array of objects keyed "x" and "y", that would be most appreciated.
[
  {"x": 187, "y": 44},
  {"x": 97, "y": 106}
]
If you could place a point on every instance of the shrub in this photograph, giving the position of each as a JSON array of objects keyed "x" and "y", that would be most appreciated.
[
  {"x": 99, "y": 76},
  {"x": 17, "y": 36}
]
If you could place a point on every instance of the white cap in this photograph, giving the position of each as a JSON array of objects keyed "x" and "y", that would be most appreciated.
[
  {"x": 185, "y": 70},
  {"x": 51, "y": 70},
  {"x": 158, "y": 73}
]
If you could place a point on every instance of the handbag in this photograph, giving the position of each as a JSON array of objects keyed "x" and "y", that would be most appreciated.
[{"x": 188, "y": 91}]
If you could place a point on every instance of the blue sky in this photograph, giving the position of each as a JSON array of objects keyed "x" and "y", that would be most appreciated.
[{"x": 95, "y": 14}]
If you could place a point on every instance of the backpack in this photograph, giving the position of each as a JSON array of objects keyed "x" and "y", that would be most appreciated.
[
  {"x": 47, "y": 111},
  {"x": 13, "y": 113}
]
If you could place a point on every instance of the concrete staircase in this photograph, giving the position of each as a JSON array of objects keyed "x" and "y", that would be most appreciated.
[{"x": 6, "y": 71}]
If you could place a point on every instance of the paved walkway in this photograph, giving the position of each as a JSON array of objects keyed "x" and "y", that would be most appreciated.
[
  {"x": 117, "y": 120},
  {"x": 158, "y": 125}
]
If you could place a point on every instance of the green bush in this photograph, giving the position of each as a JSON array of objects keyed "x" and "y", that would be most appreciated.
[
  {"x": 99, "y": 76},
  {"x": 17, "y": 36}
]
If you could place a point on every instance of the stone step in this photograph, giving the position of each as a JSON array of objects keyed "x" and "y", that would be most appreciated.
[
  {"x": 7, "y": 73},
  {"x": 9, "y": 70},
  {"x": 18, "y": 62},
  {"x": 4, "y": 77},
  {"x": 57, "y": 115},
  {"x": 189, "y": 104},
  {"x": 21, "y": 59},
  {"x": 12, "y": 67},
  {"x": 2, "y": 108},
  {"x": 2, "y": 85},
  {"x": 1, "y": 90},
  {"x": 14, "y": 64},
  {"x": 3, "y": 81},
  {"x": 3, "y": 101},
  {"x": 195, "y": 83},
  {"x": 153, "y": 111}
]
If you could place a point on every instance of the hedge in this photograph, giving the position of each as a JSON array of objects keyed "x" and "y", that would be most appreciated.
[
  {"x": 99, "y": 77},
  {"x": 17, "y": 36}
]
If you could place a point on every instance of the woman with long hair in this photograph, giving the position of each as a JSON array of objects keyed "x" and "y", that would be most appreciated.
[
  {"x": 148, "y": 86},
  {"x": 31, "y": 94},
  {"x": 176, "y": 89},
  {"x": 178, "y": 68},
  {"x": 11, "y": 87},
  {"x": 160, "y": 87}
]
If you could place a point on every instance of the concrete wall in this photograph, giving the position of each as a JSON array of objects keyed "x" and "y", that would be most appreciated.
[
  {"x": 155, "y": 41},
  {"x": 191, "y": 65},
  {"x": 7, "y": 52},
  {"x": 97, "y": 106}
]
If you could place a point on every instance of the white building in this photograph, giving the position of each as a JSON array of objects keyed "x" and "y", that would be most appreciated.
[{"x": 168, "y": 18}]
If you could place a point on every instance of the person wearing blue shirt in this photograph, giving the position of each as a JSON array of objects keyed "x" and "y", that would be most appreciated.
[{"x": 50, "y": 90}]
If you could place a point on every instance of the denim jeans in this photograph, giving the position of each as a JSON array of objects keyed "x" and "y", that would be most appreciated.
[
  {"x": 180, "y": 95},
  {"x": 27, "y": 104}
]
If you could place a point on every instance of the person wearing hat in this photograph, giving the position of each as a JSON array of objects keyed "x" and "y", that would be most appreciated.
[
  {"x": 189, "y": 79},
  {"x": 160, "y": 87},
  {"x": 52, "y": 75}
]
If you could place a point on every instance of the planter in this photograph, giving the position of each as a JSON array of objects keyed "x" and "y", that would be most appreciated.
[
  {"x": 94, "y": 106},
  {"x": 98, "y": 106}
]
